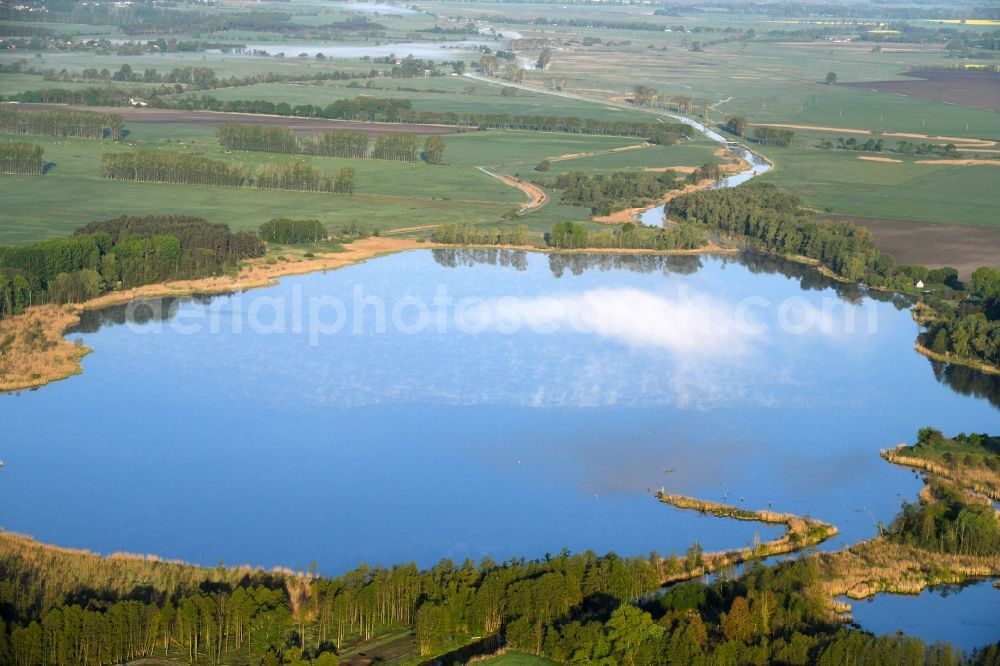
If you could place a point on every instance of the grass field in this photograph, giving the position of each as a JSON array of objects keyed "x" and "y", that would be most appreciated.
[
  {"x": 388, "y": 195},
  {"x": 838, "y": 182},
  {"x": 773, "y": 81},
  {"x": 439, "y": 93}
]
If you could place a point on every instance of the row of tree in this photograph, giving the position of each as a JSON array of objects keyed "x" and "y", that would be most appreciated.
[
  {"x": 287, "y": 231},
  {"x": 366, "y": 108},
  {"x": 118, "y": 254},
  {"x": 151, "y": 166},
  {"x": 628, "y": 236},
  {"x": 292, "y": 176},
  {"x": 21, "y": 158},
  {"x": 396, "y": 146},
  {"x": 76, "y": 124},
  {"x": 181, "y": 168},
  {"x": 772, "y": 136},
  {"x": 469, "y": 234},
  {"x": 965, "y": 319},
  {"x": 235, "y": 136}
]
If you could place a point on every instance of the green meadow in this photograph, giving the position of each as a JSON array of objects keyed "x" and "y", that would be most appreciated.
[
  {"x": 837, "y": 181},
  {"x": 388, "y": 195}
]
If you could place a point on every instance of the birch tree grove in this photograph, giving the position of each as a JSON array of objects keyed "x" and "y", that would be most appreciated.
[
  {"x": 339, "y": 144},
  {"x": 21, "y": 158},
  {"x": 75, "y": 124},
  {"x": 234, "y": 136},
  {"x": 163, "y": 167},
  {"x": 396, "y": 147},
  {"x": 292, "y": 176}
]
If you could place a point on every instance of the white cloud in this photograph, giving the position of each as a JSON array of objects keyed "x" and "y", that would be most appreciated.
[{"x": 688, "y": 325}]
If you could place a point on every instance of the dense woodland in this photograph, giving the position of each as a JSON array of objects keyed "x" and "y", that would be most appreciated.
[
  {"x": 773, "y": 220},
  {"x": 67, "y": 607},
  {"x": 118, "y": 254},
  {"x": 949, "y": 523},
  {"x": 969, "y": 327},
  {"x": 23, "y": 158},
  {"x": 76, "y": 124},
  {"x": 605, "y": 193}
]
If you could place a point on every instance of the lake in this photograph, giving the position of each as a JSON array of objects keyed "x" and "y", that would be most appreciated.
[
  {"x": 510, "y": 404},
  {"x": 457, "y": 49},
  {"x": 966, "y": 616}
]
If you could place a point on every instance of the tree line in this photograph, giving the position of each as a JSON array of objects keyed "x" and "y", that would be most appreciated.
[
  {"x": 470, "y": 234},
  {"x": 76, "y": 124},
  {"x": 580, "y": 608},
  {"x": 772, "y": 136},
  {"x": 964, "y": 320},
  {"x": 23, "y": 158},
  {"x": 396, "y": 146},
  {"x": 773, "y": 220},
  {"x": 149, "y": 166},
  {"x": 167, "y": 167},
  {"x": 287, "y": 231},
  {"x": 116, "y": 254},
  {"x": 628, "y": 236},
  {"x": 370, "y": 109},
  {"x": 174, "y": 82},
  {"x": 292, "y": 176}
]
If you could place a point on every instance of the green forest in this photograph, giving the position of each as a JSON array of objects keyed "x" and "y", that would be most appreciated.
[
  {"x": 118, "y": 254},
  {"x": 968, "y": 327},
  {"x": 65, "y": 607}
]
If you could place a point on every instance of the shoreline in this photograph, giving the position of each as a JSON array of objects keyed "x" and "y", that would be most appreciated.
[
  {"x": 59, "y": 358},
  {"x": 50, "y": 357},
  {"x": 979, "y": 366},
  {"x": 895, "y": 457},
  {"x": 52, "y": 360},
  {"x": 800, "y": 533},
  {"x": 731, "y": 168}
]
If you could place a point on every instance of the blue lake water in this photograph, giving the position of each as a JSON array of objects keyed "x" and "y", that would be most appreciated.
[
  {"x": 538, "y": 409},
  {"x": 434, "y": 50},
  {"x": 967, "y": 616}
]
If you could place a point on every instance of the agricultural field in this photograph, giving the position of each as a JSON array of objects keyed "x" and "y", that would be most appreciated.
[
  {"x": 440, "y": 93},
  {"x": 843, "y": 182},
  {"x": 388, "y": 195}
]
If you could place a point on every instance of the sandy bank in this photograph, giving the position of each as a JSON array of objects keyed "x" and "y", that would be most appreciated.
[{"x": 33, "y": 351}]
